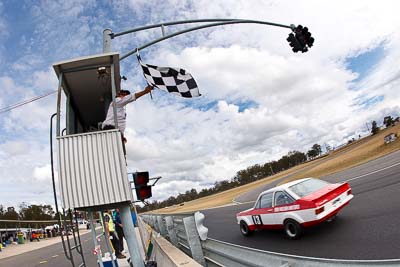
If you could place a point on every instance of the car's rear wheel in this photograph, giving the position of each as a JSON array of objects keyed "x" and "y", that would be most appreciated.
[
  {"x": 293, "y": 229},
  {"x": 244, "y": 229}
]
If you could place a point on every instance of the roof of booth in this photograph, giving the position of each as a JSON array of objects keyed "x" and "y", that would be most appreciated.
[{"x": 86, "y": 87}]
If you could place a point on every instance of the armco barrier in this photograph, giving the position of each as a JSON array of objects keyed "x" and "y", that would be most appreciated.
[
  {"x": 187, "y": 232},
  {"x": 166, "y": 254}
]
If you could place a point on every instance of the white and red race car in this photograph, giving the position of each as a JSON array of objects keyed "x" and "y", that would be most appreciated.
[{"x": 295, "y": 205}]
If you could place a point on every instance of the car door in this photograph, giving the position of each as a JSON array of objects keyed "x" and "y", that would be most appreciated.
[
  {"x": 283, "y": 203},
  {"x": 264, "y": 212}
]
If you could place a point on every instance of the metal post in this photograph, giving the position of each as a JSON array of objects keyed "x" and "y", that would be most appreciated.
[
  {"x": 194, "y": 240},
  {"x": 130, "y": 236},
  {"x": 60, "y": 78},
  {"x": 114, "y": 94},
  {"x": 107, "y": 41},
  {"x": 162, "y": 30},
  {"x": 171, "y": 230},
  {"x": 93, "y": 229}
]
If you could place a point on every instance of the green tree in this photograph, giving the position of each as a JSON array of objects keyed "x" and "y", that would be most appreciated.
[
  {"x": 317, "y": 149},
  {"x": 374, "y": 129},
  {"x": 312, "y": 153},
  {"x": 36, "y": 212},
  {"x": 388, "y": 121},
  {"x": 10, "y": 214}
]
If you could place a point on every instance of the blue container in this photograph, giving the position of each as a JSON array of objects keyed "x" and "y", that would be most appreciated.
[
  {"x": 134, "y": 219},
  {"x": 108, "y": 263}
]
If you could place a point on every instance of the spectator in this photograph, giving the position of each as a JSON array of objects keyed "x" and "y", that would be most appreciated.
[
  {"x": 110, "y": 231},
  {"x": 119, "y": 228}
]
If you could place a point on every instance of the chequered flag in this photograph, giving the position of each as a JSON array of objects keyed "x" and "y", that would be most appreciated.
[{"x": 173, "y": 80}]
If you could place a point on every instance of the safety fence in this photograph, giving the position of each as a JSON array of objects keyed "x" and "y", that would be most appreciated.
[{"x": 187, "y": 232}]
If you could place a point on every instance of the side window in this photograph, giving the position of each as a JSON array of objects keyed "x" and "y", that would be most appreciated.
[
  {"x": 266, "y": 201},
  {"x": 282, "y": 198}
]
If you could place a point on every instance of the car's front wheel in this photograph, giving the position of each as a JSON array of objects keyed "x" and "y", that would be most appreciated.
[
  {"x": 293, "y": 229},
  {"x": 244, "y": 229}
]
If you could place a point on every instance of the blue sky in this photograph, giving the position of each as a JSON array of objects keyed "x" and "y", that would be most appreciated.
[
  {"x": 364, "y": 63},
  {"x": 259, "y": 99}
]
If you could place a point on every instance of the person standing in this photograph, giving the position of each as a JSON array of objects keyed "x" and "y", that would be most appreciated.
[
  {"x": 119, "y": 228},
  {"x": 109, "y": 228},
  {"x": 123, "y": 98}
]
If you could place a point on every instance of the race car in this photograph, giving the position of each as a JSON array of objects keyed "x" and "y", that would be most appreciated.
[{"x": 294, "y": 206}]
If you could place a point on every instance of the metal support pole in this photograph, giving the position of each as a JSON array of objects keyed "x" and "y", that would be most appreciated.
[
  {"x": 114, "y": 94},
  {"x": 60, "y": 78},
  {"x": 93, "y": 229},
  {"x": 199, "y": 28},
  {"x": 162, "y": 30},
  {"x": 130, "y": 236},
  {"x": 107, "y": 41}
]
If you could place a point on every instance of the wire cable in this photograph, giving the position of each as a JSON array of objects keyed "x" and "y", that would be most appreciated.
[{"x": 20, "y": 104}]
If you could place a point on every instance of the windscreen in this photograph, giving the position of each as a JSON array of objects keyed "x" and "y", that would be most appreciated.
[{"x": 308, "y": 186}]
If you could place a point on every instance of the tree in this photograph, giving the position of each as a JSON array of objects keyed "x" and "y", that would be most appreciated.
[
  {"x": 317, "y": 149},
  {"x": 10, "y": 214},
  {"x": 375, "y": 128},
  {"x": 36, "y": 212},
  {"x": 328, "y": 148},
  {"x": 312, "y": 153},
  {"x": 388, "y": 121}
]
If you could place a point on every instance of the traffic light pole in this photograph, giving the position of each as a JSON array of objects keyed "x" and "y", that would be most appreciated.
[
  {"x": 130, "y": 236},
  {"x": 210, "y": 23}
]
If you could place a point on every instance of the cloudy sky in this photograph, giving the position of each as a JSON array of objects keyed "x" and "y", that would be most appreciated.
[{"x": 259, "y": 99}]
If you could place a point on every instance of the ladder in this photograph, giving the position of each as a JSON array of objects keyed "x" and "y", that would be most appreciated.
[{"x": 68, "y": 246}]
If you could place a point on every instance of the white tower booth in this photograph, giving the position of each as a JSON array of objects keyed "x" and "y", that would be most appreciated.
[{"x": 92, "y": 168}]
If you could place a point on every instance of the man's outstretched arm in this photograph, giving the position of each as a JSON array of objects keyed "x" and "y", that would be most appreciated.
[{"x": 144, "y": 92}]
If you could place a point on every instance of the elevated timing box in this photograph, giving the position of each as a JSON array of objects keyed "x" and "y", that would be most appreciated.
[
  {"x": 91, "y": 162},
  {"x": 87, "y": 84}
]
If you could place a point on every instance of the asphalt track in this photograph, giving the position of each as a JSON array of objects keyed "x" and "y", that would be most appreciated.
[{"x": 367, "y": 229}]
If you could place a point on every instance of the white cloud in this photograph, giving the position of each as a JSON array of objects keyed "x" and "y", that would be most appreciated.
[{"x": 42, "y": 173}]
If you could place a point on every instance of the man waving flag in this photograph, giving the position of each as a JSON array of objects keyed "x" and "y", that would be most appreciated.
[{"x": 173, "y": 80}]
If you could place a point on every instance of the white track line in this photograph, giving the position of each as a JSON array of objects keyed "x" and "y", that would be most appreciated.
[
  {"x": 363, "y": 175},
  {"x": 351, "y": 179}
]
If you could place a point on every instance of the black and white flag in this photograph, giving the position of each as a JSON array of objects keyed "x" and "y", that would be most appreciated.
[{"x": 173, "y": 80}]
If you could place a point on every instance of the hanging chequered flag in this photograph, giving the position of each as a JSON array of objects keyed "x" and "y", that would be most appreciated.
[{"x": 173, "y": 80}]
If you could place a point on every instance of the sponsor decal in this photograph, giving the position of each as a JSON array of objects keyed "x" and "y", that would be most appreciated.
[{"x": 287, "y": 208}]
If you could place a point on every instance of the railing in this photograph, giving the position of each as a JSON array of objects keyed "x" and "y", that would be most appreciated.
[
  {"x": 187, "y": 232},
  {"x": 181, "y": 230}
]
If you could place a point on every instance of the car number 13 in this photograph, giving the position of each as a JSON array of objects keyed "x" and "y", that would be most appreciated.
[{"x": 257, "y": 219}]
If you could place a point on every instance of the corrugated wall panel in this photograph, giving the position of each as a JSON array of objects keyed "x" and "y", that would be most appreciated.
[{"x": 92, "y": 170}]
